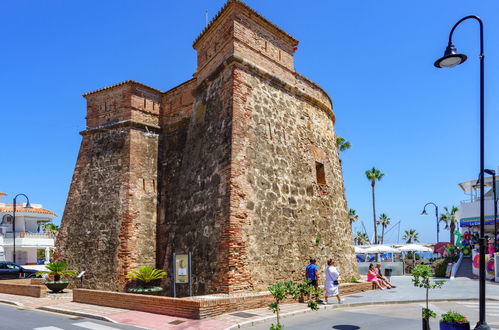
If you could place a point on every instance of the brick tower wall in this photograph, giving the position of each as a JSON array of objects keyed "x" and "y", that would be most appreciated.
[{"x": 109, "y": 223}]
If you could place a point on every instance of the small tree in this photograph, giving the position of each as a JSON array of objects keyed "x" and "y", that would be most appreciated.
[
  {"x": 283, "y": 290},
  {"x": 421, "y": 278}
]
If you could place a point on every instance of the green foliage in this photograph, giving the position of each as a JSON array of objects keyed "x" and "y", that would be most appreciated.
[
  {"x": 453, "y": 317},
  {"x": 276, "y": 326},
  {"x": 318, "y": 239},
  {"x": 57, "y": 269},
  {"x": 421, "y": 275},
  {"x": 428, "y": 313},
  {"x": 50, "y": 228},
  {"x": 146, "y": 274},
  {"x": 411, "y": 236},
  {"x": 374, "y": 175},
  {"x": 440, "y": 265},
  {"x": 352, "y": 215},
  {"x": 354, "y": 280},
  {"x": 283, "y": 290},
  {"x": 361, "y": 238},
  {"x": 342, "y": 143},
  {"x": 313, "y": 305}
]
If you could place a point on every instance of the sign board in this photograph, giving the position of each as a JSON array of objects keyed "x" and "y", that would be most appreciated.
[
  {"x": 182, "y": 271},
  {"x": 181, "y": 268}
]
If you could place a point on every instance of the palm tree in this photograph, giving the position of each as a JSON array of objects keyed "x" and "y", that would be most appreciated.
[
  {"x": 361, "y": 238},
  {"x": 50, "y": 228},
  {"x": 352, "y": 215},
  {"x": 411, "y": 236},
  {"x": 450, "y": 220},
  {"x": 342, "y": 143},
  {"x": 374, "y": 175},
  {"x": 384, "y": 221}
]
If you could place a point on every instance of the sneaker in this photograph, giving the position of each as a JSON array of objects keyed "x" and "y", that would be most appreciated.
[{"x": 341, "y": 301}]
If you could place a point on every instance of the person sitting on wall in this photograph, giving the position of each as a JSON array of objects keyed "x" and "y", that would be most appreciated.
[
  {"x": 383, "y": 279},
  {"x": 372, "y": 276}
]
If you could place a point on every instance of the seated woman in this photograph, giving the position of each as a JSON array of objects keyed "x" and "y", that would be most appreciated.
[
  {"x": 382, "y": 279},
  {"x": 372, "y": 276}
]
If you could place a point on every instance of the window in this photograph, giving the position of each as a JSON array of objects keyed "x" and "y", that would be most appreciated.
[{"x": 320, "y": 173}]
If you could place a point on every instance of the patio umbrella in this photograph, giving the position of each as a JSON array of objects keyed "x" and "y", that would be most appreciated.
[
  {"x": 359, "y": 249},
  {"x": 415, "y": 247},
  {"x": 381, "y": 249}
]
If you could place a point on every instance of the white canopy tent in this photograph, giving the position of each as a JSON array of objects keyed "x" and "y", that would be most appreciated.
[{"x": 381, "y": 249}]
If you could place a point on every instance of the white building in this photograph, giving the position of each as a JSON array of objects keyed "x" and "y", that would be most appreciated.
[
  {"x": 469, "y": 210},
  {"x": 29, "y": 236}
]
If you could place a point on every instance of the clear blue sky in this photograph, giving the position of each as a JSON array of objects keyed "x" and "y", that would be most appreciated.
[{"x": 416, "y": 123}]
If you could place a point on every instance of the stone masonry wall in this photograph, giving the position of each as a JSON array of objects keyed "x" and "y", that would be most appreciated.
[
  {"x": 194, "y": 174},
  {"x": 109, "y": 223},
  {"x": 279, "y": 206}
]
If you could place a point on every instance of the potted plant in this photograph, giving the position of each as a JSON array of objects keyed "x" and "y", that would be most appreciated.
[
  {"x": 454, "y": 321},
  {"x": 57, "y": 269},
  {"x": 421, "y": 278},
  {"x": 145, "y": 275}
]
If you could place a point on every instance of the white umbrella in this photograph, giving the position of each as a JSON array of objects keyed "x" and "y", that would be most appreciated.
[
  {"x": 358, "y": 249},
  {"x": 381, "y": 249},
  {"x": 414, "y": 247}
]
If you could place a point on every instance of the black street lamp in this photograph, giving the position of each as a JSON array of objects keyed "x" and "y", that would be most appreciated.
[
  {"x": 493, "y": 173},
  {"x": 436, "y": 214},
  {"x": 449, "y": 60},
  {"x": 28, "y": 206}
]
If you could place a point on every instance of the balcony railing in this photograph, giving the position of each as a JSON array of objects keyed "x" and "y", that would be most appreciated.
[{"x": 29, "y": 235}]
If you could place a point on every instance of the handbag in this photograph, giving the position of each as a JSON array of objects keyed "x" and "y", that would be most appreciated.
[{"x": 335, "y": 282}]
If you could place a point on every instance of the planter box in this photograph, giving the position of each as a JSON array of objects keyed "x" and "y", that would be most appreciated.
[{"x": 454, "y": 326}]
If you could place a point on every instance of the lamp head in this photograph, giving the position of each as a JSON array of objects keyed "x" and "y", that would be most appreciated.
[
  {"x": 451, "y": 58},
  {"x": 490, "y": 172},
  {"x": 28, "y": 206},
  {"x": 424, "y": 212}
]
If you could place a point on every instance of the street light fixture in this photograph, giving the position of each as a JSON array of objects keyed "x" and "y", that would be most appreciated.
[
  {"x": 493, "y": 173},
  {"x": 449, "y": 60},
  {"x": 28, "y": 206},
  {"x": 436, "y": 214}
]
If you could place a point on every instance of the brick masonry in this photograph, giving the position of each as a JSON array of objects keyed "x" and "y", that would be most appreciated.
[
  {"x": 189, "y": 307},
  {"x": 238, "y": 166},
  {"x": 24, "y": 287}
]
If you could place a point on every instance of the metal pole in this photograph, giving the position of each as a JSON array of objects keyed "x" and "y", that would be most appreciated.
[
  {"x": 438, "y": 223},
  {"x": 495, "y": 211},
  {"x": 190, "y": 274},
  {"x": 174, "y": 276},
  {"x": 482, "y": 324},
  {"x": 14, "y": 231}
]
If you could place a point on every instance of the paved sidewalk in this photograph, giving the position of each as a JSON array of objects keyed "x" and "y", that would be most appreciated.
[{"x": 457, "y": 289}]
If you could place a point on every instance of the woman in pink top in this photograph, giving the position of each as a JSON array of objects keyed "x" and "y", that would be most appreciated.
[{"x": 372, "y": 276}]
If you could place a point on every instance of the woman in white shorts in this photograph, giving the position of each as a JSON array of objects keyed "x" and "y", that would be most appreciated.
[{"x": 332, "y": 284}]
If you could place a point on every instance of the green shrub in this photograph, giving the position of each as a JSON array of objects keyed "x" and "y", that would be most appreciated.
[{"x": 453, "y": 317}]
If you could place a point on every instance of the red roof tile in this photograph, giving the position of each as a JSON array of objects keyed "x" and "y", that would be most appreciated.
[{"x": 23, "y": 209}]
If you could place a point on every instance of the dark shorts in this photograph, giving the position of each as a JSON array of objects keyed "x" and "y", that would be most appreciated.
[{"x": 313, "y": 283}]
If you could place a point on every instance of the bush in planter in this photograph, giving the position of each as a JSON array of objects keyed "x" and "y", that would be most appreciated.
[
  {"x": 57, "y": 269},
  {"x": 145, "y": 275},
  {"x": 454, "y": 321}
]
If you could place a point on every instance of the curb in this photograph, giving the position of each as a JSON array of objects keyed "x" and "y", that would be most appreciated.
[
  {"x": 342, "y": 306},
  {"x": 87, "y": 315},
  {"x": 12, "y": 302},
  {"x": 75, "y": 313}
]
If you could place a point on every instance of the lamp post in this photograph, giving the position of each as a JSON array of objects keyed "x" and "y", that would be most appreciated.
[
  {"x": 493, "y": 173},
  {"x": 436, "y": 214},
  {"x": 450, "y": 59},
  {"x": 28, "y": 206}
]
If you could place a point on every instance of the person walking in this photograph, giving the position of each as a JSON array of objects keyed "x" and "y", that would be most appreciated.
[
  {"x": 312, "y": 274},
  {"x": 332, "y": 284}
]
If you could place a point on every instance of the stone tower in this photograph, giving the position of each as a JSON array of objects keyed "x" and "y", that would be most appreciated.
[{"x": 238, "y": 165}]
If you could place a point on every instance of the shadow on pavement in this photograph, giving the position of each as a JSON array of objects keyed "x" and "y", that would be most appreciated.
[{"x": 346, "y": 327}]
